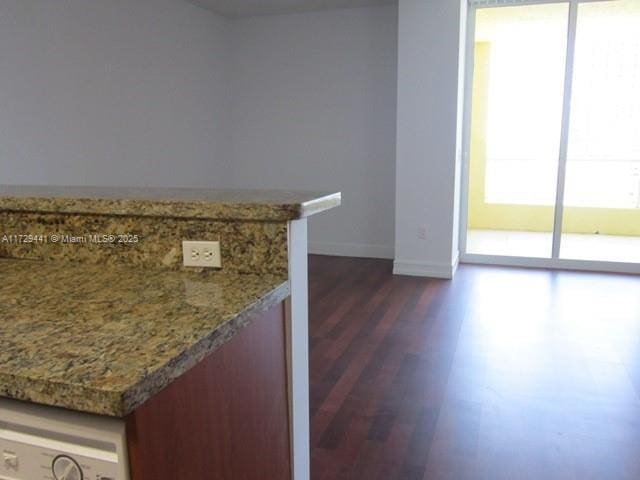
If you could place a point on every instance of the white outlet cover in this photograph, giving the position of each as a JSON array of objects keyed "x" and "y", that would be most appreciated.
[{"x": 201, "y": 254}]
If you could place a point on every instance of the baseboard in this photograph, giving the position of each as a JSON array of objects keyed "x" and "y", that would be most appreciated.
[
  {"x": 400, "y": 267},
  {"x": 426, "y": 269},
  {"x": 351, "y": 250}
]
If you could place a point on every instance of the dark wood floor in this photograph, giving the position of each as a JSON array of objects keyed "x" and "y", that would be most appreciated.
[{"x": 499, "y": 374}]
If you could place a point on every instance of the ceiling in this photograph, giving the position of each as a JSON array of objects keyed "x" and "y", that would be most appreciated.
[{"x": 248, "y": 8}]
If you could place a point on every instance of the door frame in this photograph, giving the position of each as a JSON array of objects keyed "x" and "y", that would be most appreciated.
[{"x": 554, "y": 261}]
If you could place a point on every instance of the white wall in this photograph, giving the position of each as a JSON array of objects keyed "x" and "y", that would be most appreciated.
[
  {"x": 115, "y": 92},
  {"x": 314, "y": 108},
  {"x": 162, "y": 92},
  {"x": 430, "y": 75}
]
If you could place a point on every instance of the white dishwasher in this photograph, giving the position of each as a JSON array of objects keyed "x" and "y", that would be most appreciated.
[{"x": 47, "y": 443}]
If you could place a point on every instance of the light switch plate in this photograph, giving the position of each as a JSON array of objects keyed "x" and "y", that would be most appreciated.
[{"x": 201, "y": 254}]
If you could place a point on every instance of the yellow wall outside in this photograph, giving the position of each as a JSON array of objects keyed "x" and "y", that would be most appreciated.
[{"x": 533, "y": 218}]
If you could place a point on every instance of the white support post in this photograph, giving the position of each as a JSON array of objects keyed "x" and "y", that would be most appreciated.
[{"x": 298, "y": 351}]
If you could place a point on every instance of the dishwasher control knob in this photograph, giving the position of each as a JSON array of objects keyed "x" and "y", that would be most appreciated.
[{"x": 66, "y": 468}]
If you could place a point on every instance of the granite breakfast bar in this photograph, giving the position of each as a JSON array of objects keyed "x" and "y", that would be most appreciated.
[
  {"x": 120, "y": 328},
  {"x": 124, "y": 335}
]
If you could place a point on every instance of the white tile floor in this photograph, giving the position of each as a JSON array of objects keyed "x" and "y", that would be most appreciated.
[{"x": 606, "y": 248}]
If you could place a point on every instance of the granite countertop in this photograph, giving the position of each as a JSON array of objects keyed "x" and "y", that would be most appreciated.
[
  {"x": 262, "y": 205},
  {"x": 104, "y": 340}
]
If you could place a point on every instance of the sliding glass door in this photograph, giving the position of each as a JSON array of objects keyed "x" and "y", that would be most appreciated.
[
  {"x": 518, "y": 86},
  {"x": 553, "y": 132},
  {"x": 602, "y": 194}
]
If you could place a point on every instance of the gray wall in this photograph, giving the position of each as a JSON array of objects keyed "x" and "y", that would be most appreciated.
[
  {"x": 430, "y": 101},
  {"x": 113, "y": 92},
  {"x": 314, "y": 107},
  {"x": 162, "y": 92}
]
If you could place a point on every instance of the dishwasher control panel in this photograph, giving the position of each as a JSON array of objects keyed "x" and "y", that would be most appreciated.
[{"x": 46, "y": 443}]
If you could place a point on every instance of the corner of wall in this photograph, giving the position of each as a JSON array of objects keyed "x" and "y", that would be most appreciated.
[
  {"x": 416, "y": 268},
  {"x": 429, "y": 136}
]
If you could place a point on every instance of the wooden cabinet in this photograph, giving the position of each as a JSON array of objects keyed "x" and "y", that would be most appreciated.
[{"x": 225, "y": 419}]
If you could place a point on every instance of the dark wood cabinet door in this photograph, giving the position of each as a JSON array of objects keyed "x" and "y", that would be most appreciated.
[{"x": 225, "y": 419}]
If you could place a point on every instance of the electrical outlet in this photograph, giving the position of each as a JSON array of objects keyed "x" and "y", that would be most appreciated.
[
  {"x": 201, "y": 254},
  {"x": 422, "y": 232}
]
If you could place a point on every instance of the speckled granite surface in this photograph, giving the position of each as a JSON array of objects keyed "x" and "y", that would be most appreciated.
[
  {"x": 262, "y": 205},
  {"x": 246, "y": 246},
  {"x": 104, "y": 340}
]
